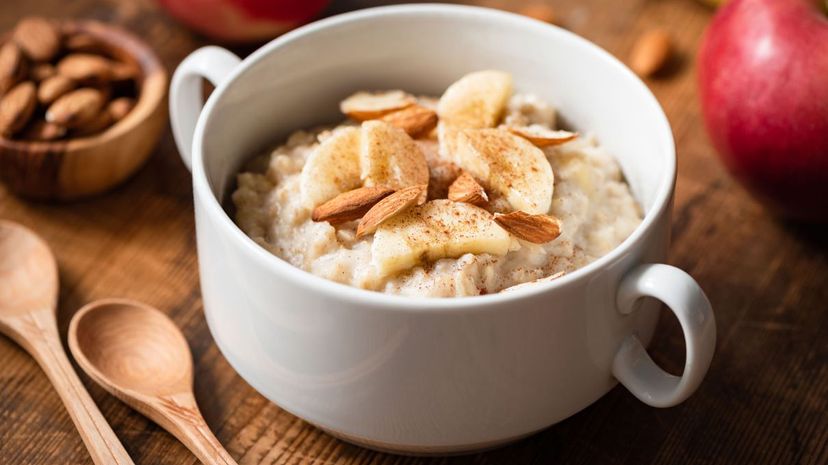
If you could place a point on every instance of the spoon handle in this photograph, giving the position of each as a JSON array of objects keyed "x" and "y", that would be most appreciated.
[
  {"x": 179, "y": 414},
  {"x": 37, "y": 333}
]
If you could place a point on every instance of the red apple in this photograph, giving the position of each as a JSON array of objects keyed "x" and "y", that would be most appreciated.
[
  {"x": 763, "y": 81},
  {"x": 244, "y": 20}
]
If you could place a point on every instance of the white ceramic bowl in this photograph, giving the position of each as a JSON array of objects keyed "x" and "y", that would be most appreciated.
[{"x": 423, "y": 375}]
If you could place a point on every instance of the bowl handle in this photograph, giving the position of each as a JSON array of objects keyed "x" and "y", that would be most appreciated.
[
  {"x": 186, "y": 94},
  {"x": 633, "y": 367}
]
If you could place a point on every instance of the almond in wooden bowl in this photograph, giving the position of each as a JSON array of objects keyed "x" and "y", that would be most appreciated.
[{"x": 49, "y": 158}]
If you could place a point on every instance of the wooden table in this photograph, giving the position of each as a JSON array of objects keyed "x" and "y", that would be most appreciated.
[{"x": 765, "y": 399}]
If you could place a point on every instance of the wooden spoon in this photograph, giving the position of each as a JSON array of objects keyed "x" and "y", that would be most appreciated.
[
  {"x": 138, "y": 354},
  {"x": 28, "y": 303}
]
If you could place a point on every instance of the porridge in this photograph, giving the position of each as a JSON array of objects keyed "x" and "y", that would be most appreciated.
[{"x": 474, "y": 193}]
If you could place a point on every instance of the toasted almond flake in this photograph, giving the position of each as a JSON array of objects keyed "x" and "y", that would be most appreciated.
[
  {"x": 541, "y": 136},
  {"x": 466, "y": 189},
  {"x": 415, "y": 120},
  {"x": 651, "y": 52},
  {"x": 389, "y": 207},
  {"x": 364, "y": 106},
  {"x": 538, "y": 229},
  {"x": 84, "y": 43},
  {"x": 546, "y": 279},
  {"x": 351, "y": 205}
]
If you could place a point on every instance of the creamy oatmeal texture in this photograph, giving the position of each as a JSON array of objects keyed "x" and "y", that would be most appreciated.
[{"x": 593, "y": 204}]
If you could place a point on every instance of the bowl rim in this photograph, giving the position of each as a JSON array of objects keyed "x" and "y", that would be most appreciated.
[
  {"x": 378, "y": 300},
  {"x": 150, "y": 96}
]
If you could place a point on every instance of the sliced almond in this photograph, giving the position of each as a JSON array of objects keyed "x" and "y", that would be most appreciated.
[
  {"x": 38, "y": 38},
  {"x": 351, "y": 205},
  {"x": 389, "y": 207},
  {"x": 11, "y": 60},
  {"x": 120, "y": 107},
  {"x": 87, "y": 68},
  {"x": 42, "y": 71},
  {"x": 415, "y": 120},
  {"x": 466, "y": 189},
  {"x": 44, "y": 131},
  {"x": 76, "y": 108},
  {"x": 651, "y": 52},
  {"x": 364, "y": 106},
  {"x": 546, "y": 279},
  {"x": 53, "y": 88},
  {"x": 542, "y": 136},
  {"x": 538, "y": 229},
  {"x": 16, "y": 108}
]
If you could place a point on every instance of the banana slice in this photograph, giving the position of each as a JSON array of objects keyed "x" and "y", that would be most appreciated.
[
  {"x": 389, "y": 157},
  {"x": 509, "y": 165},
  {"x": 437, "y": 229},
  {"x": 333, "y": 168},
  {"x": 477, "y": 100}
]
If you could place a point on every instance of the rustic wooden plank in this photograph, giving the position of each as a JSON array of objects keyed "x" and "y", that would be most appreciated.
[{"x": 764, "y": 400}]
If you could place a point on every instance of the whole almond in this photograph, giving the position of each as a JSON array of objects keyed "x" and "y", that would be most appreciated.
[
  {"x": 11, "y": 60},
  {"x": 86, "y": 68},
  {"x": 466, "y": 189},
  {"x": 389, "y": 207},
  {"x": 120, "y": 107},
  {"x": 53, "y": 88},
  {"x": 38, "y": 38},
  {"x": 538, "y": 229},
  {"x": 84, "y": 43},
  {"x": 16, "y": 108},
  {"x": 651, "y": 52},
  {"x": 415, "y": 120},
  {"x": 76, "y": 108},
  {"x": 351, "y": 205},
  {"x": 123, "y": 72},
  {"x": 42, "y": 71},
  {"x": 97, "y": 124},
  {"x": 43, "y": 131}
]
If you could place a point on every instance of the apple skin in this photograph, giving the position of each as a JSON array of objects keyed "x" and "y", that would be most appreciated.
[
  {"x": 763, "y": 82},
  {"x": 243, "y": 20}
]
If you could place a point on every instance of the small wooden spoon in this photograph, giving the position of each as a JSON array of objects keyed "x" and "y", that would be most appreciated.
[
  {"x": 28, "y": 302},
  {"x": 138, "y": 354}
]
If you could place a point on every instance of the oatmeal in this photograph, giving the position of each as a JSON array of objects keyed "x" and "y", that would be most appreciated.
[{"x": 473, "y": 194}]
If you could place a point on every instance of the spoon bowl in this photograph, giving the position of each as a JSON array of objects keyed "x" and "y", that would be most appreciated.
[
  {"x": 139, "y": 355},
  {"x": 28, "y": 303},
  {"x": 27, "y": 270},
  {"x": 135, "y": 347}
]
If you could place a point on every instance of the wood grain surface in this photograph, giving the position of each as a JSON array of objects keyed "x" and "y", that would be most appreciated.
[{"x": 765, "y": 399}]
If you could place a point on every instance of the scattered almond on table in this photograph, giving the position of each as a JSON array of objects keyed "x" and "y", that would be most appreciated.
[
  {"x": 651, "y": 52},
  {"x": 56, "y": 84}
]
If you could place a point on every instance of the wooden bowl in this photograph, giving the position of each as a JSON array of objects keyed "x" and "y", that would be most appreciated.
[{"x": 80, "y": 167}]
